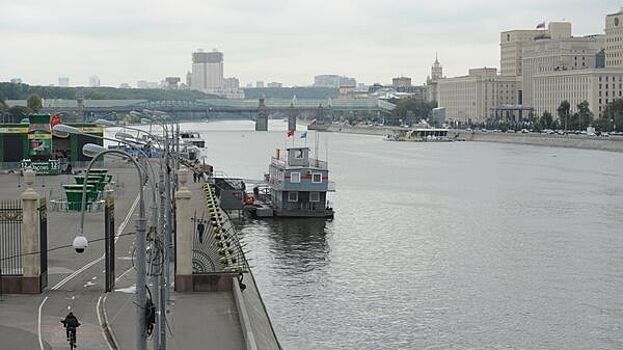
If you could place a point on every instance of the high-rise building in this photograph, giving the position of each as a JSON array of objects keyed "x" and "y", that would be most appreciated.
[
  {"x": 63, "y": 81},
  {"x": 614, "y": 40},
  {"x": 207, "y": 71},
  {"x": 94, "y": 81},
  {"x": 436, "y": 71},
  {"x": 546, "y": 54},
  {"x": 512, "y": 43},
  {"x": 16, "y": 81}
]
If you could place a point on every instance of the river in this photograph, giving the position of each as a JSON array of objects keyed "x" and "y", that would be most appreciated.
[{"x": 462, "y": 245}]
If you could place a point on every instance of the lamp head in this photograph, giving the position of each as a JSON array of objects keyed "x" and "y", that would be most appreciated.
[
  {"x": 92, "y": 150},
  {"x": 63, "y": 130},
  {"x": 80, "y": 244}
]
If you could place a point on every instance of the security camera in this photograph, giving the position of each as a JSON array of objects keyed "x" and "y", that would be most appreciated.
[{"x": 80, "y": 244}]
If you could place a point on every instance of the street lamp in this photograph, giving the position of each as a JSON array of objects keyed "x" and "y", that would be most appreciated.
[{"x": 89, "y": 149}]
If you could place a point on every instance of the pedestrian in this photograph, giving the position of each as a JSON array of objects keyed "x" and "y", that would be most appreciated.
[
  {"x": 200, "y": 229},
  {"x": 194, "y": 177}
]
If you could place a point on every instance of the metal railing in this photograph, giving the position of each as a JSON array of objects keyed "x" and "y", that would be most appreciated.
[{"x": 11, "y": 237}]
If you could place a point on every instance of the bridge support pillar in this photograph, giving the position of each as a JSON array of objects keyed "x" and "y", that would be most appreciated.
[{"x": 261, "y": 121}]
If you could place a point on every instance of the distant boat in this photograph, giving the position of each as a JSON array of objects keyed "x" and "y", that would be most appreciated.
[
  {"x": 420, "y": 135},
  {"x": 192, "y": 138}
]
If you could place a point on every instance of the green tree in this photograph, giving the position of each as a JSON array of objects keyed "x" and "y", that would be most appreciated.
[
  {"x": 613, "y": 115},
  {"x": 34, "y": 102},
  {"x": 546, "y": 120},
  {"x": 17, "y": 113},
  {"x": 563, "y": 113},
  {"x": 584, "y": 116}
]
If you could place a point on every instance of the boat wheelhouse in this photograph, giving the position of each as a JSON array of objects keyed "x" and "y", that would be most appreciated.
[{"x": 299, "y": 184}]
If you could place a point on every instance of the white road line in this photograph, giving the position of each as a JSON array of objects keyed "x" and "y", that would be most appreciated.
[
  {"x": 120, "y": 230},
  {"x": 99, "y": 319}
]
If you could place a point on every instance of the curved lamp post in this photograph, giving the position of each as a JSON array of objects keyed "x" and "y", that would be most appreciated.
[{"x": 141, "y": 340}]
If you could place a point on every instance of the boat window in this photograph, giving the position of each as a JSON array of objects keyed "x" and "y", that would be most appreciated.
[
  {"x": 295, "y": 177},
  {"x": 314, "y": 196},
  {"x": 317, "y": 178},
  {"x": 293, "y": 196}
]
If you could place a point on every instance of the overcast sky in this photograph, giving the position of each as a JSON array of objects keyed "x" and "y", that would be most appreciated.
[{"x": 123, "y": 41}]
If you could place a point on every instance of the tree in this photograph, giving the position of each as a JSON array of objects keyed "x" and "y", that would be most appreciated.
[
  {"x": 413, "y": 106},
  {"x": 546, "y": 120},
  {"x": 613, "y": 115},
  {"x": 17, "y": 113},
  {"x": 584, "y": 116},
  {"x": 34, "y": 102},
  {"x": 563, "y": 113}
]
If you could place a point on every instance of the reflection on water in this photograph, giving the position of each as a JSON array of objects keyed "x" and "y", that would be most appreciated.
[{"x": 298, "y": 245}]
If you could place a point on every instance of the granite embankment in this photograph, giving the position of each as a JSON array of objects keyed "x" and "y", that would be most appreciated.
[{"x": 612, "y": 143}]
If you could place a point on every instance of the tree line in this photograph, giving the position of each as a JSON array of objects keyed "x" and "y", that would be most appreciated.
[
  {"x": 611, "y": 119},
  {"x": 10, "y": 91}
]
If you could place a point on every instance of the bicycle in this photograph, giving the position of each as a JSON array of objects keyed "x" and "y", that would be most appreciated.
[{"x": 71, "y": 330}]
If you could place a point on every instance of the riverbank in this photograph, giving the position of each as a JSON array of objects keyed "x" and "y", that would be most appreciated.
[{"x": 612, "y": 143}]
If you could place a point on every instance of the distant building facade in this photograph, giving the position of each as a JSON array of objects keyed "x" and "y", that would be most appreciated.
[
  {"x": 274, "y": 85},
  {"x": 172, "y": 83},
  {"x": 436, "y": 73},
  {"x": 545, "y": 54},
  {"x": 333, "y": 81},
  {"x": 401, "y": 82},
  {"x": 63, "y": 81},
  {"x": 474, "y": 96},
  {"x": 259, "y": 84},
  {"x": 614, "y": 40},
  {"x": 596, "y": 86},
  {"x": 207, "y": 71},
  {"x": 94, "y": 81}
]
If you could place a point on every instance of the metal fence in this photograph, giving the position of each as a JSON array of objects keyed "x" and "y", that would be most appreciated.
[{"x": 11, "y": 237}]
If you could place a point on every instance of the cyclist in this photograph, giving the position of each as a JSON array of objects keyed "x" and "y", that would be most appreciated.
[{"x": 71, "y": 323}]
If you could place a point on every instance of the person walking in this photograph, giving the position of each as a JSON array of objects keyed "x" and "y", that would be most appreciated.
[{"x": 194, "y": 177}]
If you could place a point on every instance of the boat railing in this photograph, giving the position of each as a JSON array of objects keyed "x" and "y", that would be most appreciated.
[{"x": 313, "y": 163}]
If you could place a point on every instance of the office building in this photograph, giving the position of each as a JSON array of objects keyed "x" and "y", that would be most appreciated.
[
  {"x": 207, "y": 71},
  {"x": 614, "y": 40},
  {"x": 259, "y": 84},
  {"x": 596, "y": 86},
  {"x": 401, "y": 82},
  {"x": 172, "y": 83},
  {"x": 476, "y": 96},
  {"x": 63, "y": 81},
  {"x": 274, "y": 85},
  {"x": 546, "y": 54},
  {"x": 333, "y": 81}
]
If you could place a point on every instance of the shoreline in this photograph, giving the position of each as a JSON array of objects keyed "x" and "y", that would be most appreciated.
[{"x": 600, "y": 143}]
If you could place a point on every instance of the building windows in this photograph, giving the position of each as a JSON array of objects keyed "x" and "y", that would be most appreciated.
[
  {"x": 293, "y": 196},
  {"x": 295, "y": 177},
  {"x": 317, "y": 178},
  {"x": 298, "y": 154},
  {"x": 314, "y": 197}
]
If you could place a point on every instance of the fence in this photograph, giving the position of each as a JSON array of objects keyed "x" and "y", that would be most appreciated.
[{"x": 10, "y": 237}]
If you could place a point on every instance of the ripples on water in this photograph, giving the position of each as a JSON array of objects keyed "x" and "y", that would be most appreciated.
[{"x": 441, "y": 246}]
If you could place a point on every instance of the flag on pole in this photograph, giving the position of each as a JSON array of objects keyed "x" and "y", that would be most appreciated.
[
  {"x": 304, "y": 135},
  {"x": 290, "y": 133},
  {"x": 540, "y": 25}
]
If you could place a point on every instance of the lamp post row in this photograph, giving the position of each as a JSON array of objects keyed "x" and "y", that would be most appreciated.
[{"x": 161, "y": 281}]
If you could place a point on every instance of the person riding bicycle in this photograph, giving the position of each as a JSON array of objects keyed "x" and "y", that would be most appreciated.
[{"x": 71, "y": 323}]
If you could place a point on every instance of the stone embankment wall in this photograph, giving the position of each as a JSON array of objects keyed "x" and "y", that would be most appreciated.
[{"x": 612, "y": 143}]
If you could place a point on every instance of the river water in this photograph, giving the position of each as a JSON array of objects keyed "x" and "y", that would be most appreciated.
[{"x": 460, "y": 245}]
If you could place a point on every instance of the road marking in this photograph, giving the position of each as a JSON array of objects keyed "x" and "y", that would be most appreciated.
[{"x": 122, "y": 227}]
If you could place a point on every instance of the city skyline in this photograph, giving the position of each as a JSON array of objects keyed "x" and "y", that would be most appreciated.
[{"x": 271, "y": 41}]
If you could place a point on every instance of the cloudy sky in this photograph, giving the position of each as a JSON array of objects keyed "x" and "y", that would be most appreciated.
[{"x": 270, "y": 40}]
